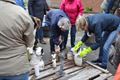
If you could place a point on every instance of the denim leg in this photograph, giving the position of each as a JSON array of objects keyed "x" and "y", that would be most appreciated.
[
  {"x": 104, "y": 38},
  {"x": 73, "y": 35},
  {"x": 39, "y": 33},
  {"x": 106, "y": 47},
  {"x": 16, "y": 77}
]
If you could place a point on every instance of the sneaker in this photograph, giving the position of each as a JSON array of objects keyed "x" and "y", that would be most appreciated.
[
  {"x": 42, "y": 41},
  {"x": 102, "y": 66},
  {"x": 96, "y": 61}
]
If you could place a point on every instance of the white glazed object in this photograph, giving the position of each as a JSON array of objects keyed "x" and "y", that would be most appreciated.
[{"x": 78, "y": 60}]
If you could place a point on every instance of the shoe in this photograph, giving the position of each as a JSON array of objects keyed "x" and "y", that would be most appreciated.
[
  {"x": 42, "y": 41},
  {"x": 96, "y": 61},
  {"x": 102, "y": 66}
]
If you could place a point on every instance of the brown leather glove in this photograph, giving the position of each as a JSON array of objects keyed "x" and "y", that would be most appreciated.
[{"x": 37, "y": 22}]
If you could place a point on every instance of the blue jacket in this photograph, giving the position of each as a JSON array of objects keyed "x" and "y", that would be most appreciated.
[
  {"x": 110, "y": 5},
  {"x": 52, "y": 18},
  {"x": 20, "y": 3},
  {"x": 37, "y": 8},
  {"x": 99, "y": 23}
]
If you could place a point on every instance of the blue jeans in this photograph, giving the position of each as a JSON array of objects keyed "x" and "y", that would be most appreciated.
[
  {"x": 39, "y": 34},
  {"x": 73, "y": 35},
  {"x": 107, "y": 39},
  {"x": 16, "y": 77}
]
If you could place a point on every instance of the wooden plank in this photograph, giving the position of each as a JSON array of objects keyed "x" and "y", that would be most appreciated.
[
  {"x": 73, "y": 73},
  {"x": 103, "y": 70},
  {"x": 48, "y": 66},
  {"x": 66, "y": 77},
  {"x": 111, "y": 78},
  {"x": 86, "y": 74},
  {"x": 67, "y": 71},
  {"x": 52, "y": 71},
  {"x": 103, "y": 76}
]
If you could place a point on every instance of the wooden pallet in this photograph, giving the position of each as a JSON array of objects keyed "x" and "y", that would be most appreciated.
[{"x": 87, "y": 71}]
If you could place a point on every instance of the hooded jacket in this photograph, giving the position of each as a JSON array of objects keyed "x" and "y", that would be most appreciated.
[{"x": 72, "y": 8}]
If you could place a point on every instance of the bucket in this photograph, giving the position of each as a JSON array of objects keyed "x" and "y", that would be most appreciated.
[{"x": 77, "y": 60}]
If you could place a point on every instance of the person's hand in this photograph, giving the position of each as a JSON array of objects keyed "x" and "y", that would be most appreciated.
[
  {"x": 37, "y": 22},
  {"x": 57, "y": 49},
  {"x": 77, "y": 46},
  {"x": 85, "y": 51}
]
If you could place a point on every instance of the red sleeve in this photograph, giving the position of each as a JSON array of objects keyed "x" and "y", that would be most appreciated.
[{"x": 80, "y": 7}]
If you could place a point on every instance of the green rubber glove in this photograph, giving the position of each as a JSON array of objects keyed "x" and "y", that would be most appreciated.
[
  {"x": 85, "y": 52},
  {"x": 77, "y": 46}
]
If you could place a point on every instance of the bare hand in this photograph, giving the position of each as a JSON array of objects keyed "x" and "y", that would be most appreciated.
[{"x": 57, "y": 49}]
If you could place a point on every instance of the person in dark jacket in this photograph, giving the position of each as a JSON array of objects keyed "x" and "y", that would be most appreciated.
[
  {"x": 38, "y": 8},
  {"x": 110, "y": 6},
  {"x": 97, "y": 24},
  {"x": 59, "y": 27},
  {"x": 113, "y": 5}
]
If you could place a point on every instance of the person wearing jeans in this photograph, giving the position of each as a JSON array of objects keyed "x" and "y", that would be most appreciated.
[
  {"x": 72, "y": 34},
  {"x": 59, "y": 25},
  {"x": 105, "y": 34},
  {"x": 108, "y": 39}
]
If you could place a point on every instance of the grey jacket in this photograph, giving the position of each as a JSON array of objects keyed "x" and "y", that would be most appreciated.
[{"x": 16, "y": 34}]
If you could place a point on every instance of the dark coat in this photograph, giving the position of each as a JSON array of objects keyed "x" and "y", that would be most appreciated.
[
  {"x": 99, "y": 23},
  {"x": 112, "y": 6},
  {"x": 52, "y": 18},
  {"x": 37, "y": 8}
]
